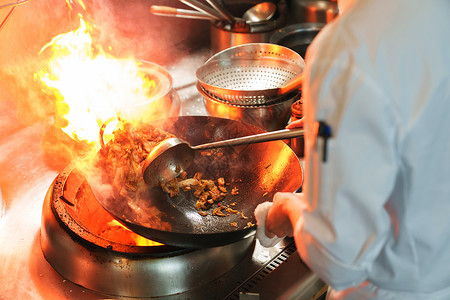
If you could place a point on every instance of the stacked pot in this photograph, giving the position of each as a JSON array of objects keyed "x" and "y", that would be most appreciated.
[{"x": 255, "y": 83}]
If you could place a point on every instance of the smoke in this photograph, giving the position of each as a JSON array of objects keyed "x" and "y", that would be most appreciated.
[
  {"x": 131, "y": 30},
  {"x": 123, "y": 28},
  {"x": 28, "y": 29}
]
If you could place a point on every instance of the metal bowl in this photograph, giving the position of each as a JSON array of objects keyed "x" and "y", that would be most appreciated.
[
  {"x": 163, "y": 101},
  {"x": 268, "y": 117},
  {"x": 312, "y": 11}
]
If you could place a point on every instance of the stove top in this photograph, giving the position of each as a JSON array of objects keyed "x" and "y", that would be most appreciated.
[
  {"x": 227, "y": 272},
  {"x": 261, "y": 273}
]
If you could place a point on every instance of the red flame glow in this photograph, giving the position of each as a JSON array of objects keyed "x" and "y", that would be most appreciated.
[{"x": 90, "y": 85}]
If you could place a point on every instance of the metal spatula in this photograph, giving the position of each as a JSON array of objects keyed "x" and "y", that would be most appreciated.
[{"x": 173, "y": 156}]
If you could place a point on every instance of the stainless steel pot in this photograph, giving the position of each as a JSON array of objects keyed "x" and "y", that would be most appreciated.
[
  {"x": 312, "y": 11},
  {"x": 163, "y": 100},
  {"x": 269, "y": 117},
  {"x": 223, "y": 35}
]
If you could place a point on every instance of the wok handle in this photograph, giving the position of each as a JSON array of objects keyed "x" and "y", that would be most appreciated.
[{"x": 253, "y": 139}]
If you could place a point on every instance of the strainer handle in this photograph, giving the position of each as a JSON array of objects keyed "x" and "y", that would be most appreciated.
[{"x": 253, "y": 139}]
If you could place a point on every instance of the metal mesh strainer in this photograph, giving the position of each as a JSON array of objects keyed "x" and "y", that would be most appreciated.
[
  {"x": 258, "y": 50},
  {"x": 251, "y": 74},
  {"x": 255, "y": 102}
]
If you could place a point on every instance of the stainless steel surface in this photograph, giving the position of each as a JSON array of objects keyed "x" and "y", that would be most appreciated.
[
  {"x": 222, "y": 11},
  {"x": 313, "y": 11},
  {"x": 202, "y": 8},
  {"x": 173, "y": 156},
  {"x": 164, "y": 100},
  {"x": 251, "y": 74},
  {"x": 263, "y": 11},
  {"x": 12, "y": 4},
  {"x": 285, "y": 280},
  {"x": 253, "y": 139},
  {"x": 255, "y": 51},
  {"x": 269, "y": 117},
  {"x": 121, "y": 270},
  {"x": 167, "y": 161},
  {"x": 118, "y": 270},
  {"x": 7, "y": 17},
  {"x": 12, "y": 7},
  {"x": 224, "y": 35},
  {"x": 297, "y": 144},
  {"x": 161, "y": 10}
]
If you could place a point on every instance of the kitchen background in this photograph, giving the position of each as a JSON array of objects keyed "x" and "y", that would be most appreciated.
[{"x": 34, "y": 150}]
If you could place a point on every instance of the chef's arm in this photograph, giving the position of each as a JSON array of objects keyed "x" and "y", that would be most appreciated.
[{"x": 346, "y": 224}]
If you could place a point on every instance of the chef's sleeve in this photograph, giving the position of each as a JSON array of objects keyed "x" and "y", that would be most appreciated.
[{"x": 349, "y": 175}]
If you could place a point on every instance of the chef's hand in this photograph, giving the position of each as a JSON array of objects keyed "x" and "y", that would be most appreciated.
[
  {"x": 295, "y": 124},
  {"x": 286, "y": 211}
]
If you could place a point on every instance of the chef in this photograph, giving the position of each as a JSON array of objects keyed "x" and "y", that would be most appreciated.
[{"x": 374, "y": 219}]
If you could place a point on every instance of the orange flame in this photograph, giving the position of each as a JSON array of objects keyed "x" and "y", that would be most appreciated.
[
  {"x": 139, "y": 240},
  {"x": 90, "y": 85}
]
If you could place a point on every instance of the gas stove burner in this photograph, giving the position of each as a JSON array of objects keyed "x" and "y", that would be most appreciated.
[{"x": 77, "y": 243}]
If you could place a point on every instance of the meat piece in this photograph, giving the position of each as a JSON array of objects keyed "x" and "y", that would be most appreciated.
[
  {"x": 249, "y": 224},
  {"x": 216, "y": 195},
  {"x": 201, "y": 205},
  {"x": 231, "y": 211},
  {"x": 198, "y": 176},
  {"x": 121, "y": 159},
  {"x": 218, "y": 212},
  {"x": 221, "y": 182},
  {"x": 171, "y": 187},
  {"x": 188, "y": 184}
]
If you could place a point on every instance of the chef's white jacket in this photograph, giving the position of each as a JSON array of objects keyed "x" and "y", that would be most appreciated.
[{"x": 379, "y": 219}]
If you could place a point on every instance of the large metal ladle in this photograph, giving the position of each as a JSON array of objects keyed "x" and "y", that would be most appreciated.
[
  {"x": 173, "y": 156},
  {"x": 263, "y": 11}
]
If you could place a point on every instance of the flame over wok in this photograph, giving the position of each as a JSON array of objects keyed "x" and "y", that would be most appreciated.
[{"x": 90, "y": 87}]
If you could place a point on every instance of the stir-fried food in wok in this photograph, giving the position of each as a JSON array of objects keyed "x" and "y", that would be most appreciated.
[
  {"x": 122, "y": 158},
  {"x": 121, "y": 161},
  {"x": 206, "y": 191}
]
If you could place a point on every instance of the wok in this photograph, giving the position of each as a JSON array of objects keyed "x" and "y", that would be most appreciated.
[{"x": 257, "y": 170}]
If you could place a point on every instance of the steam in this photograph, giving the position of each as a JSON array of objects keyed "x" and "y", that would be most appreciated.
[
  {"x": 125, "y": 29},
  {"x": 131, "y": 30}
]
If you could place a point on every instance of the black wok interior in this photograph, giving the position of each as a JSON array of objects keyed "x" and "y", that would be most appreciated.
[{"x": 257, "y": 170}]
